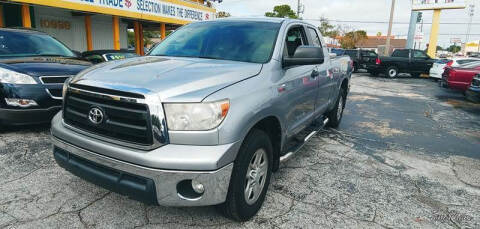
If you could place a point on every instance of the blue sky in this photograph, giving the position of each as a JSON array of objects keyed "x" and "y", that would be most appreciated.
[{"x": 362, "y": 10}]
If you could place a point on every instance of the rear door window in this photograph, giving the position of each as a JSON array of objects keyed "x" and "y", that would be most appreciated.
[
  {"x": 315, "y": 38},
  {"x": 419, "y": 54},
  {"x": 400, "y": 53}
]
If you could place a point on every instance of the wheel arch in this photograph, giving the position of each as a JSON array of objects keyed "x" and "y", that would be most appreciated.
[{"x": 272, "y": 126}]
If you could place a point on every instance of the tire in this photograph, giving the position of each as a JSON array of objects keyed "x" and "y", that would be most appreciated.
[
  {"x": 239, "y": 206},
  {"x": 355, "y": 68},
  {"x": 391, "y": 72},
  {"x": 335, "y": 116}
]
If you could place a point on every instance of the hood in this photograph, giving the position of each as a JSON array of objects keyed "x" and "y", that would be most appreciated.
[
  {"x": 41, "y": 66},
  {"x": 172, "y": 79}
]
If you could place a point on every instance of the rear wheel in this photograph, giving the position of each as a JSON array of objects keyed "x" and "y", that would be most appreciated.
[
  {"x": 335, "y": 115},
  {"x": 250, "y": 177},
  {"x": 392, "y": 72}
]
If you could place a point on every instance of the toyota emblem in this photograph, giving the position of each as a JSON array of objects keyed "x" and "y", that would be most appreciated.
[{"x": 95, "y": 115}]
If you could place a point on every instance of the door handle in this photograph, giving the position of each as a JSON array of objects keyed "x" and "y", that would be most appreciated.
[{"x": 314, "y": 74}]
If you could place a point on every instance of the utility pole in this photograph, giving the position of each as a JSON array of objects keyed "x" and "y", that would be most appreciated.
[
  {"x": 471, "y": 13},
  {"x": 300, "y": 8},
  {"x": 389, "y": 34}
]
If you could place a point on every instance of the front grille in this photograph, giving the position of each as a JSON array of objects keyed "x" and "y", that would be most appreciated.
[
  {"x": 476, "y": 81},
  {"x": 53, "y": 79},
  {"x": 123, "y": 121}
]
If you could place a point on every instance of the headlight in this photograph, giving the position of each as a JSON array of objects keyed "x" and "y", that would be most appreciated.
[
  {"x": 196, "y": 116},
  {"x": 8, "y": 76}
]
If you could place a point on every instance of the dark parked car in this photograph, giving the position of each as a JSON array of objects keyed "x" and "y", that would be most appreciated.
[
  {"x": 460, "y": 78},
  {"x": 411, "y": 61},
  {"x": 473, "y": 92},
  {"x": 99, "y": 56},
  {"x": 362, "y": 59},
  {"x": 33, "y": 68}
]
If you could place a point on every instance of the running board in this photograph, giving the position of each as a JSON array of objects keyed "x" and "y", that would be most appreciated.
[{"x": 293, "y": 150}]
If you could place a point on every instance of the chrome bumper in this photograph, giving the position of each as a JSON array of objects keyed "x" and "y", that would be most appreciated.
[{"x": 215, "y": 182}]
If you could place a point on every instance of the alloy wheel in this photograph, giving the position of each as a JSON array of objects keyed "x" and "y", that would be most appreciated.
[{"x": 256, "y": 176}]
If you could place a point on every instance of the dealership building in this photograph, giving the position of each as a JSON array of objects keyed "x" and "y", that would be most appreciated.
[{"x": 102, "y": 24}]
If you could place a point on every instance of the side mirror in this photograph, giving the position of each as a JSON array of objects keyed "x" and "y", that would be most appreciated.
[{"x": 305, "y": 55}]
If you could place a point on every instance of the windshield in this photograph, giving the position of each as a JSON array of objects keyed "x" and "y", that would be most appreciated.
[
  {"x": 471, "y": 65},
  {"x": 225, "y": 40},
  {"x": 19, "y": 44}
]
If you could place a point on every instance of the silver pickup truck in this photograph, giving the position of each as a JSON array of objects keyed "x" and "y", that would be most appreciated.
[{"x": 206, "y": 117}]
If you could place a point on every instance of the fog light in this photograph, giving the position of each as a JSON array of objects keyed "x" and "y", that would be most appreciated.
[
  {"x": 197, "y": 187},
  {"x": 20, "y": 102}
]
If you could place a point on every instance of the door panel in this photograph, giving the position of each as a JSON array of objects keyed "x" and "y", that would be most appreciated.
[
  {"x": 324, "y": 81},
  {"x": 299, "y": 92},
  {"x": 299, "y": 86}
]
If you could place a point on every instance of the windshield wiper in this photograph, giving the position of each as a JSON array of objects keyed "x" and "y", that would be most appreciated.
[{"x": 210, "y": 57}]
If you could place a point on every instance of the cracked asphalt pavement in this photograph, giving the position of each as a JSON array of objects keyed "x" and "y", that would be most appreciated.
[{"x": 405, "y": 156}]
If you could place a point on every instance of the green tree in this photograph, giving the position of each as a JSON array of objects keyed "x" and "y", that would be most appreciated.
[
  {"x": 350, "y": 39},
  {"x": 282, "y": 11},
  {"x": 147, "y": 37},
  {"x": 327, "y": 29},
  {"x": 454, "y": 48}
]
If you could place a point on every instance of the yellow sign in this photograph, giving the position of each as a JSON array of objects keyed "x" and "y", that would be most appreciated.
[
  {"x": 472, "y": 44},
  {"x": 166, "y": 11}
]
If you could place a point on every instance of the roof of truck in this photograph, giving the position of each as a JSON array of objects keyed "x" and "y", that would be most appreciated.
[{"x": 261, "y": 19}]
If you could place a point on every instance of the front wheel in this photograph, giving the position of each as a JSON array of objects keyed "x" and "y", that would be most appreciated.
[
  {"x": 250, "y": 177},
  {"x": 335, "y": 115}
]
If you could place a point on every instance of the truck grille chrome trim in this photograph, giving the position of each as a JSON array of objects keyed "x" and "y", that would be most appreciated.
[{"x": 132, "y": 122}]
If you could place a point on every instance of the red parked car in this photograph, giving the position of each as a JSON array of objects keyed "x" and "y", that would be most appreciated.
[{"x": 460, "y": 78}]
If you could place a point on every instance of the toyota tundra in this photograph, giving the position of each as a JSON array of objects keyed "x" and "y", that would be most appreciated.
[{"x": 206, "y": 117}]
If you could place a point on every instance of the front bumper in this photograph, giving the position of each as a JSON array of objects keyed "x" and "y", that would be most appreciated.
[
  {"x": 149, "y": 185},
  {"x": 473, "y": 94},
  {"x": 27, "y": 116}
]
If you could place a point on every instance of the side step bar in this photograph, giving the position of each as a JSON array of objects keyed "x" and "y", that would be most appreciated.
[{"x": 293, "y": 150}]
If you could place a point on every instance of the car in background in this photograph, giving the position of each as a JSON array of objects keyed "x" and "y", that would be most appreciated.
[
  {"x": 460, "y": 78},
  {"x": 33, "y": 68},
  {"x": 337, "y": 51},
  {"x": 100, "y": 56},
  {"x": 473, "y": 92},
  {"x": 414, "y": 62},
  {"x": 362, "y": 59},
  {"x": 439, "y": 66}
]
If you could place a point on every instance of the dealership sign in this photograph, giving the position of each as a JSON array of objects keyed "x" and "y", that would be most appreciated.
[
  {"x": 438, "y": 4},
  {"x": 152, "y": 7},
  {"x": 168, "y": 11}
]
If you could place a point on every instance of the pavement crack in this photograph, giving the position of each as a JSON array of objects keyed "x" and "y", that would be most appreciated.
[
  {"x": 452, "y": 167},
  {"x": 21, "y": 177}
]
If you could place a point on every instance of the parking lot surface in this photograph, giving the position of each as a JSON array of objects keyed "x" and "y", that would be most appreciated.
[{"x": 407, "y": 155}]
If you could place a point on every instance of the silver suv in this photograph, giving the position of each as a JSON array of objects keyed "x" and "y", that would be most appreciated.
[{"x": 206, "y": 117}]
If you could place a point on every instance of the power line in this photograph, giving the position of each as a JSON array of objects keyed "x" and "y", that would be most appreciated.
[{"x": 386, "y": 22}]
